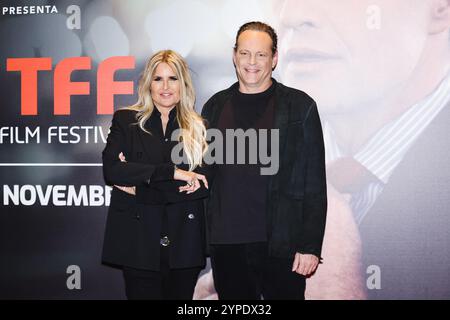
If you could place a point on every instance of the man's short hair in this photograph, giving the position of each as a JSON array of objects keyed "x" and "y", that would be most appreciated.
[{"x": 258, "y": 26}]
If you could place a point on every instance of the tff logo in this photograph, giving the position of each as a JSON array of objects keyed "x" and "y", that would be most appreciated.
[{"x": 64, "y": 88}]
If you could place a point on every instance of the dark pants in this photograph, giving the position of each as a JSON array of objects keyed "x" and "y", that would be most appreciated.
[
  {"x": 174, "y": 284},
  {"x": 246, "y": 272}
]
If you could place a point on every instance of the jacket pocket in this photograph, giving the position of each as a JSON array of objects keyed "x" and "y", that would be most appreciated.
[
  {"x": 126, "y": 210},
  {"x": 121, "y": 207}
]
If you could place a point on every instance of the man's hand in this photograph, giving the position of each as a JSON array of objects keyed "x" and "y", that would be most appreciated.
[{"x": 305, "y": 264}]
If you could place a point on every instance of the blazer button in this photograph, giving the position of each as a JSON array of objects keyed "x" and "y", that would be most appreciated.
[
  {"x": 166, "y": 139},
  {"x": 191, "y": 216},
  {"x": 164, "y": 241}
]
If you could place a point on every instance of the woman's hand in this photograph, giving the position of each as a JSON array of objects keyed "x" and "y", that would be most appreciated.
[
  {"x": 191, "y": 178},
  {"x": 129, "y": 190}
]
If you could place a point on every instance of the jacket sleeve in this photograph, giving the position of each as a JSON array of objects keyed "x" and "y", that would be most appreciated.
[
  {"x": 315, "y": 196},
  {"x": 128, "y": 173},
  {"x": 161, "y": 192}
]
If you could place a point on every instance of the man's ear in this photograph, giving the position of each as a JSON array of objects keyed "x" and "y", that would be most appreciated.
[
  {"x": 440, "y": 16},
  {"x": 275, "y": 60},
  {"x": 234, "y": 57}
]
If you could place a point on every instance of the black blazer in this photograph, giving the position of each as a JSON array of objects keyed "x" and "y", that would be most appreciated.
[
  {"x": 133, "y": 227},
  {"x": 297, "y": 194}
]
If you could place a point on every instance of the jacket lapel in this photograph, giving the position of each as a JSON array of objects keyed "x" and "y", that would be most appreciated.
[{"x": 281, "y": 118}]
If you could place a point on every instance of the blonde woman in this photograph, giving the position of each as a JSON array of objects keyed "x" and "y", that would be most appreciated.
[{"x": 155, "y": 225}]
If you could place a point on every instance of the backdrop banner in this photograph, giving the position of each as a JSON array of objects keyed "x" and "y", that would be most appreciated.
[{"x": 378, "y": 70}]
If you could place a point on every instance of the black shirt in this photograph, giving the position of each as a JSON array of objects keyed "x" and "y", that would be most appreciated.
[
  {"x": 162, "y": 144},
  {"x": 241, "y": 188}
]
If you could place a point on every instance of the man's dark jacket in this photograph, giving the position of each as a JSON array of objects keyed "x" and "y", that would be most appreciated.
[{"x": 296, "y": 194}]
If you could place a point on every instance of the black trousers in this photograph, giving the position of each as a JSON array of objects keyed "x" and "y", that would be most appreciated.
[
  {"x": 166, "y": 284},
  {"x": 246, "y": 272}
]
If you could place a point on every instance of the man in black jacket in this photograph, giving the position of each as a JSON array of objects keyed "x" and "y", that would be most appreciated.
[{"x": 266, "y": 231}]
